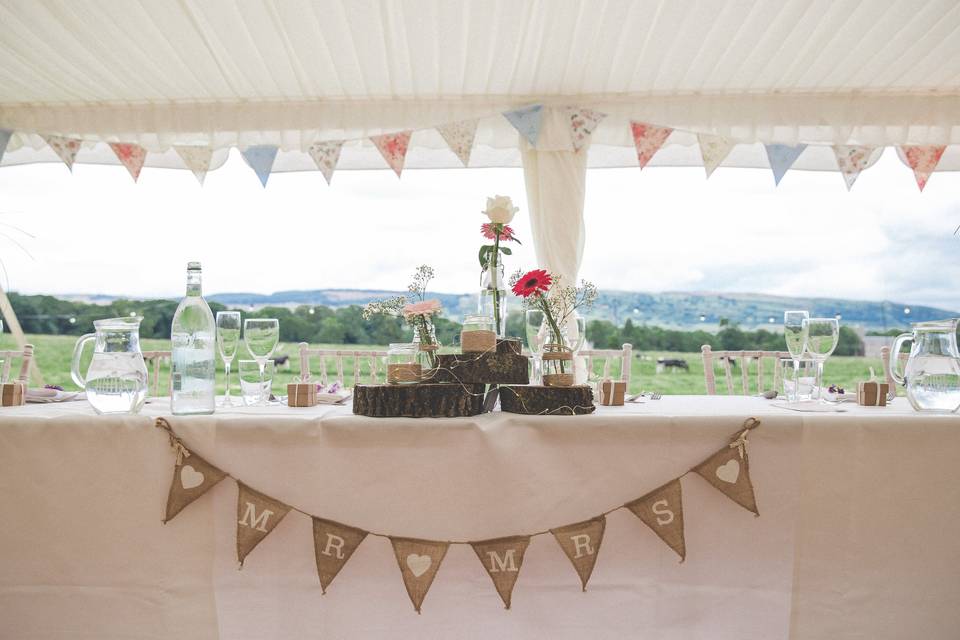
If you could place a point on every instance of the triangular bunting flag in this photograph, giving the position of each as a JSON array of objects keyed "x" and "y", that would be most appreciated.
[
  {"x": 260, "y": 158},
  {"x": 581, "y": 543},
  {"x": 257, "y": 516},
  {"x": 131, "y": 155},
  {"x": 782, "y": 157},
  {"x": 662, "y": 511},
  {"x": 527, "y": 121},
  {"x": 333, "y": 544},
  {"x": 713, "y": 149},
  {"x": 419, "y": 562},
  {"x": 583, "y": 122},
  {"x": 4, "y": 140},
  {"x": 326, "y": 154},
  {"x": 192, "y": 477},
  {"x": 923, "y": 160},
  {"x": 502, "y": 559},
  {"x": 729, "y": 471},
  {"x": 393, "y": 147},
  {"x": 66, "y": 148},
  {"x": 459, "y": 136},
  {"x": 852, "y": 160},
  {"x": 648, "y": 139},
  {"x": 197, "y": 160}
]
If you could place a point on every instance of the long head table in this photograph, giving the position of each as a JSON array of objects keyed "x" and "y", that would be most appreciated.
[{"x": 858, "y": 537}]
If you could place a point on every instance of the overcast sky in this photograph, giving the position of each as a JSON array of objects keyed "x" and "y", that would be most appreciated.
[{"x": 662, "y": 229}]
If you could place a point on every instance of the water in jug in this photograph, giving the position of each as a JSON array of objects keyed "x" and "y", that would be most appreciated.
[
  {"x": 932, "y": 372},
  {"x": 116, "y": 380}
]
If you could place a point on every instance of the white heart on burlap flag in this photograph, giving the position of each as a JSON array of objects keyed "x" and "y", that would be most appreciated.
[{"x": 419, "y": 561}]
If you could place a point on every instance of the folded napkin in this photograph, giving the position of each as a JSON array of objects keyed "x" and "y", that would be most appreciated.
[
  {"x": 337, "y": 397},
  {"x": 812, "y": 407},
  {"x": 53, "y": 395}
]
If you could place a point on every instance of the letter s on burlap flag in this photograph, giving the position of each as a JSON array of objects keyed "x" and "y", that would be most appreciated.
[
  {"x": 257, "y": 516},
  {"x": 419, "y": 561},
  {"x": 581, "y": 543},
  {"x": 729, "y": 471},
  {"x": 662, "y": 511},
  {"x": 502, "y": 558},
  {"x": 192, "y": 477},
  {"x": 333, "y": 544}
]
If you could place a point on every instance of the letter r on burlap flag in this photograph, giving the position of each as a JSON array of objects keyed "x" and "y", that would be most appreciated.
[
  {"x": 502, "y": 559},
  {"x": 333, "y": 544},
  {"x": 257, "y": 516},
  {"x": 419, "y": 562},
  {"x": 662, "y": 511},
  {"x": 581, "y": 543},
  {"x": 729, "y": 472},
  {"x": 192, "y": 477}
]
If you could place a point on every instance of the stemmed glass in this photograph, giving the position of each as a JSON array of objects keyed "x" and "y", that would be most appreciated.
[
  {"x": 822, "y": 337},
  {"x": 261, "y": 336},
  {"x": 536, "y": 338},
  {"x": 228, "y": 339},
  {"x": 795, "y": 333}
]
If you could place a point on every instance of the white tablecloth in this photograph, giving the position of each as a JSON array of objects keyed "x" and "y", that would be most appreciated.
[{"x": 859, "y": 533}]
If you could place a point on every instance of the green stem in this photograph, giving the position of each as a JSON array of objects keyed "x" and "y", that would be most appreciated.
[
  {"x": 426, "y": 339},
  {"x": 494, "y": 276},
  {"x": 558, "y": 337}
]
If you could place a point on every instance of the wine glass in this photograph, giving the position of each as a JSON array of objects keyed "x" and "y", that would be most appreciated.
[
  {"x": 228, "y": 339},
  {"x": 261, "y": 336},
  {"x": 822, "y": 337},
  {"x": 536, "y": 337},
  {"x": 795, "y": 333}
]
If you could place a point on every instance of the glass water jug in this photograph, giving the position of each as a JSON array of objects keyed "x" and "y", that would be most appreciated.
[
  {"x": 116, "y": 380},
  {"x": 932, "y": 372}
]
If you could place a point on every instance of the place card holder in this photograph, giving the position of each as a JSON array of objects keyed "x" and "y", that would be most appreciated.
[
  {"x": 612, "y": 393},
  {"x": 301, "y": 394}
]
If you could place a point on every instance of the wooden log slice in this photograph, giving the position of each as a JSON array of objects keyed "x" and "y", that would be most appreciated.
[
  {"x": 480, "y": 368},
  {"x": 553, "y": 401},
  {"x": 418, "y": 400}
]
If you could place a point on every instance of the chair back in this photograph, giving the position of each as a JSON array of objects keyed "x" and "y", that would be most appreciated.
[
  {"x": 726, "y": 358},
  {"x": 885, "y": 359},
  {"x": 153, "y": 360},
  {"x": 25, "y": 357},
  {"x": 357, "y": 359},
  {"x": 608, "y": 356}
]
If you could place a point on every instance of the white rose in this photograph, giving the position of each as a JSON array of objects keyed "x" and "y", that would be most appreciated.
[{"x": 500, "y": 209}]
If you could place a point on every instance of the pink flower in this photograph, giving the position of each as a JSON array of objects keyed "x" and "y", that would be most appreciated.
[{"x": 422, "y": 308}]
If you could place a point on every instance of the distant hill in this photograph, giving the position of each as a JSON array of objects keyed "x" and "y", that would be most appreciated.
[{"x": 679, "y": 310}]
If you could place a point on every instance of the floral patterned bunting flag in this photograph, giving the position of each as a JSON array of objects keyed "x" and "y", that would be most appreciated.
[
  {"x": 4, "y": 140},
  {"x": 260, "y": 158},
  {"x": 852, "y": 160},
  {"x": 326, "y": 153},
  {"x": 527, "y": 121},
  {"x": 648, "y": 139},
  {"x": 713, "y": 149},
  {"x": 782, "y": 157},
  {"x": 459, "y": 136},
  {"x": 419, "y": 562},
  {"x": 923, "y": 161},
  {"x": 197, "y": 159},
  {"x": 502, "y": 558},
  {"x": 132, "y": 156},
  {"x": 66, "y": 148},
  {"x": 581, "y": 543},
  {"x": 393, "y": 147},
  {"x": 583, "y": 122}
]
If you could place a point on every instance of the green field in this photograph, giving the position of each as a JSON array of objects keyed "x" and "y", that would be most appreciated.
[{"x": 53, "y": 355}]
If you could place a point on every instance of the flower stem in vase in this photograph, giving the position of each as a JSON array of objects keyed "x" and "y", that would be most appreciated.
[{"x": 494, "y": 277}]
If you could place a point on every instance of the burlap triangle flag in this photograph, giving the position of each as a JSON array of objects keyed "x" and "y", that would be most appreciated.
[
  {"x": 581, "y": 543},
  {"x": 729, "y": 471},
  {"x": 502, "y": 559},
  {"x": 192, "y": 477},
  {"x": 333, "y": 544},
  {"x": 662, "y": 511},
  {"x": 419, "y": 562},
  {"x": 257, "y": 516}
]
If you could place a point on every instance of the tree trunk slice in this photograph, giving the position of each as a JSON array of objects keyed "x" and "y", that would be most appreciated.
[
  {"x": 509, "y": 345},
  {"x": 418, "y": 400},
  {"x": 480, "y": 368},
  {"x": 552, "y": 401}
]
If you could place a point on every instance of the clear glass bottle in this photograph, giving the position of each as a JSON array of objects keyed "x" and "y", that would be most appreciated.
[
  {"x": 493, "y": 296},
  {"x": 193, "y": 339}
]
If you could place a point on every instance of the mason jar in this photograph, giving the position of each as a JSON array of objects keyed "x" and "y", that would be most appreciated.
[
  {"x": 402, "y": 365},
  {"x": 477, "y": 335},
  {"x": 557, "y": 365}
]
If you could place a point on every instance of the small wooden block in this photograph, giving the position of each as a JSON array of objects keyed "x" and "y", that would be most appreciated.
[
  {"x": 301, "y": 394},
  {"x": 480, "y": 368},
  {"x": 509, "y": 345},
  {"x": 13, "y": 394},
  {"x": 418, "y": 400},
  {"x": 538, "y": 400}
]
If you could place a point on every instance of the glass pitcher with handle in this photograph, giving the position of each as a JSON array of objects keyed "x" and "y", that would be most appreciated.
[
  {"x": 116, "y": 380},
  {"x": 932, "y": 372}
]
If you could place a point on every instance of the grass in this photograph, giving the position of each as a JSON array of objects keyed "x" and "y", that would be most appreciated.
[{"x": 53, "y": 354}]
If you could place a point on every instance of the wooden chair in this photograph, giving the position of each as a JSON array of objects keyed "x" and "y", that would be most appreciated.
[
  {"x": 885, "y": 359},
  {"x": 625, "y": 355},
  {"x": 8, "y": 357},
  {"x": 744, "y": 357},
  {"x": 153, "y": 360},
  {"x": 338, "y": 356}
]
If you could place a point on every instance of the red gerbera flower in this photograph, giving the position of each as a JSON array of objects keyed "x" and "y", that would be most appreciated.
[
  {"x": 533, "y": 282},
  {"x": 506, "y": 234}
]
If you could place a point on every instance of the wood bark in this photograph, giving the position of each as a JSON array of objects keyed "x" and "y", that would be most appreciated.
[
  {"x": 538, "y": 400},
  {"x": 418, "y": 400}
]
